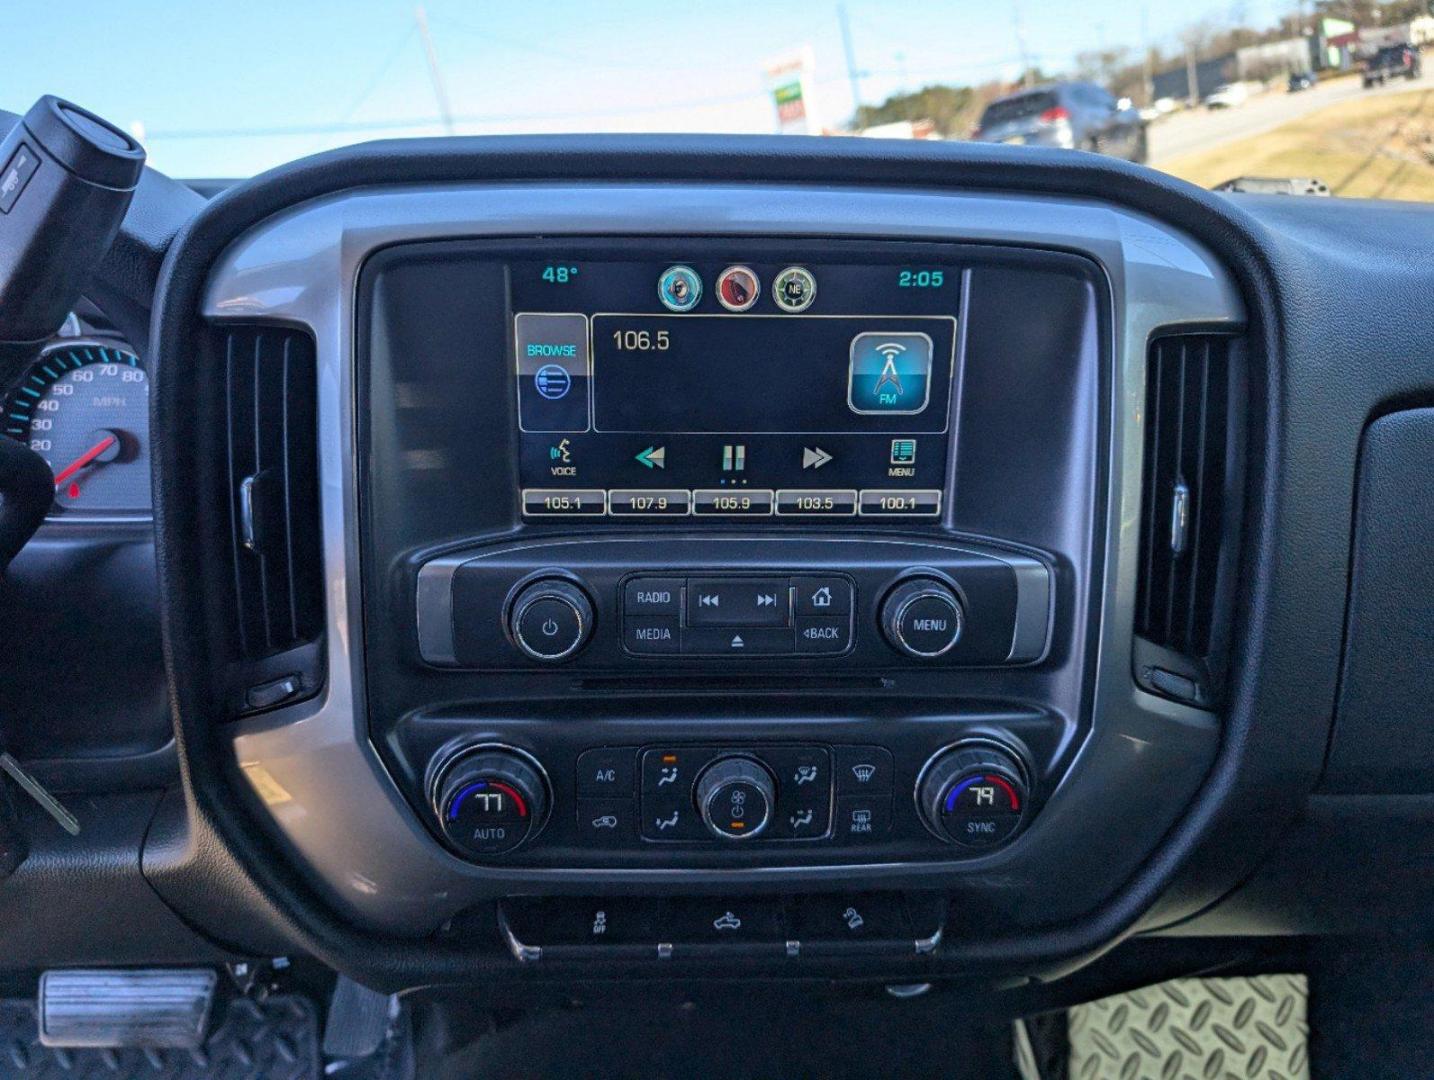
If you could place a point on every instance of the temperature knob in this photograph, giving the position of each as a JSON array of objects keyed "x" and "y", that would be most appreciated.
[
  {"x": 551, "y": 619},
  {"x": 973, "y": 794},
  {"x": 489, "y": 801},
  {"x": 735, "y": 796}
]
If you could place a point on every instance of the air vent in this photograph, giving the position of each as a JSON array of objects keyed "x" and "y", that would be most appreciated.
[
  {"x": 1184, "y": 541},
  {"x": 273, "y": 490}
]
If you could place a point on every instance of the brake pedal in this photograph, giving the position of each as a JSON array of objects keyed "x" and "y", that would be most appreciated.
[{"x": 154, "y": 1008}]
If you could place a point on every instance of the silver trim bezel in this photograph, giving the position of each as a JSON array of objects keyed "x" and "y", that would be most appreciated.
[{"x": 310, "y": 771}]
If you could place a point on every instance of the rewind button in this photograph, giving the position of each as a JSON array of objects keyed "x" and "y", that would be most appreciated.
[{"x": 738, "y": 602}]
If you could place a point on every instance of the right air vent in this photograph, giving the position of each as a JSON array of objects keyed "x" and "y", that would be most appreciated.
[{"x": 1186, "y": 511}]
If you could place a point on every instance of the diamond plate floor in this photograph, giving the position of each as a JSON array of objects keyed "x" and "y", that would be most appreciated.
[
  {"x": 273, "y": 1040},
  {"x": 1195, "y": 1029}
]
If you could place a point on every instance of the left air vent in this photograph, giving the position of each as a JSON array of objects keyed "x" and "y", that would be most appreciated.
[{"x": 273, "y": 492}]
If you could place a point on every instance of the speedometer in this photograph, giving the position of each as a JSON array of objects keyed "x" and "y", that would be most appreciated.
[{"x": 84, "y": 407}]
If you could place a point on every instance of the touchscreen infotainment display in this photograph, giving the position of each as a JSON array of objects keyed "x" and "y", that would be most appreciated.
[{"x": 756, "y": 382}]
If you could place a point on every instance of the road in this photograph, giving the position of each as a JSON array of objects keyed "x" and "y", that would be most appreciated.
[{"x": 1204, "y": 129}]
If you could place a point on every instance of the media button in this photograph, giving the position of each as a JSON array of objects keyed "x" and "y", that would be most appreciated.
[
  {"x": 651, "y": 635},
  {"x": 652, "y": 596},
  {"x": 738, "y": 602},
  {"x": 564, "y": 502},
  {"x": 733, "y": 502},
  {"x": 648, "y": 502},
  {"x": 897, "y": 502},
  {"x": 812, "y": 502},
  {"x": 830, "y": 634}
]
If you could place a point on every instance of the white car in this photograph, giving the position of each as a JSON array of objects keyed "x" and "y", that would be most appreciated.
[{"x": 1227, "y": 96}]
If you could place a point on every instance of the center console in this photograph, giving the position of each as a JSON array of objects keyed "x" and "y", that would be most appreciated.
[{"x": 713, "y": 541}]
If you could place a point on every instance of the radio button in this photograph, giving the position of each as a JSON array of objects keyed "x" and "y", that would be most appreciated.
[
  {"x": 814, "y": 502},
  {"x": 822, "y": 595},
  {"x": 648, "y": 502},
  {"x": 564, "y": 502},
  {"x": 732, "y": 502},
  {"x": 899, "y": 502},
  {"x": 652, "y": 596},
  {"x": 824, "y": 634},
  {"x": 651, "y": 634},
  {"x": 738, "y": 602}
]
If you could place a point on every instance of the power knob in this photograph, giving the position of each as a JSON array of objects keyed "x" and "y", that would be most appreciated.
[
  {"x": 973, "y": 794},
  {"x": 551, "y": 619}
]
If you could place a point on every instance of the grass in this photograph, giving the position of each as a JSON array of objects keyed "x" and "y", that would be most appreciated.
[{"x": 1373, "y": 147}]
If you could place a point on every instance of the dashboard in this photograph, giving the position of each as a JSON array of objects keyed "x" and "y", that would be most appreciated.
[
  {"x": 557, "y": 529},
  {"x": 661, "y": 701}
]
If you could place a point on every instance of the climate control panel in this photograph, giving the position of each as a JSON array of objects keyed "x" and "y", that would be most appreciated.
[{"x": 771, "y": 800}]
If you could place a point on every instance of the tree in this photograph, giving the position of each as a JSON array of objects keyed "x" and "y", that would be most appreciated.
[
  {"x": 950, "y": 108},
  {"x": 1100, "y": 65}
]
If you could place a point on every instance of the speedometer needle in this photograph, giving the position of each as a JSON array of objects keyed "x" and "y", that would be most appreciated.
[{"x": 84, "y": 459}]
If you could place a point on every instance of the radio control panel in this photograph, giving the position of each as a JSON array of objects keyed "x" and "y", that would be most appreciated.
[{"x": 706, "y": 601}]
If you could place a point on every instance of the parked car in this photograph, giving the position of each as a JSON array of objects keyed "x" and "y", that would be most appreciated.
[
  {"x": 1227, "y": 96},
  {"x": 1301, "y": 80},
  {"x": 1392, "y": 62},
  {"x": 1073, "y": 115}
]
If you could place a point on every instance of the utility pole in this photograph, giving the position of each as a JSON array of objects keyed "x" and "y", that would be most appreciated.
[
  {"x": 1028, "y": 77},
  {"x": 1147, "y": 58},
  {"x": 1192, "y": 75},
  {"x": 439, "y": 90},
  {"x": 851, "y": 73}
]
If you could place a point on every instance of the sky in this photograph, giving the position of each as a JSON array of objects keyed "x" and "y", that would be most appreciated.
[{"x": 226, "y": 90}]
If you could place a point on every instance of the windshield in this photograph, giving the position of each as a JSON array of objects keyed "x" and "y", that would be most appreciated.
[{"x": 1208, "y": 90}]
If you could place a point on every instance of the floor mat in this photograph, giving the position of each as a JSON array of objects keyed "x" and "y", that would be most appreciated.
[
  {"x": 1195, "y": 1029},
  {"x": 277, "y": 1039}
]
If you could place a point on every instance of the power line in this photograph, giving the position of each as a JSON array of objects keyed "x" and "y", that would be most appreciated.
[
  {"x": 408, "y": 123},
  {"x": 440, "y": 91},
  {"x": 380, "y": 74}
]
